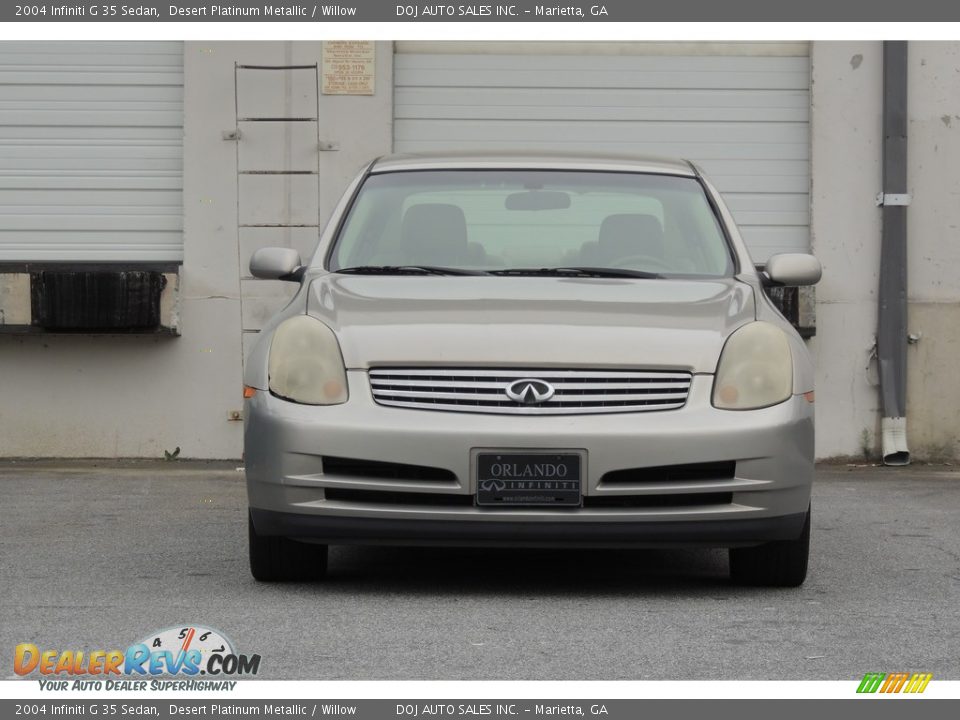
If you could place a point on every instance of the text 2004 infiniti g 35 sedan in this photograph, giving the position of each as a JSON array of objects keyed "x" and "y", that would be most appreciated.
[{"x": 530, "y": 351}]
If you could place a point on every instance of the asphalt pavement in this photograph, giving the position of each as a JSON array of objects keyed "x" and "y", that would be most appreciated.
[{"x": 96, "y": 556}]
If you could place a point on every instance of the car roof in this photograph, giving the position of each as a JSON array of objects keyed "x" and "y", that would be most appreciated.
[{"x": 490, "y": 160}]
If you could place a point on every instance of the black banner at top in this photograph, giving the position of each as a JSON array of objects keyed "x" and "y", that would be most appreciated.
[{"x": 504, "y": 11}]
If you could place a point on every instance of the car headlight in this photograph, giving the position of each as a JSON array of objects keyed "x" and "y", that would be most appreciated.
[
  {"x": 305, "y": 363},
  {"x": 755, "y": 370}
]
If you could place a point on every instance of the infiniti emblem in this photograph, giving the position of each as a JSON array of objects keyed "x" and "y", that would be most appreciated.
[{"x": 529, "y": 391}]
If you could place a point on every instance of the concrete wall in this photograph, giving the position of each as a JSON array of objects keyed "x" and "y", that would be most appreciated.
[
  {"x": 845, "y": 231},
  {"x": 847, "y": 151},
  {"x": 933, "y": 236},
  {"x": 136, "y": 396}
]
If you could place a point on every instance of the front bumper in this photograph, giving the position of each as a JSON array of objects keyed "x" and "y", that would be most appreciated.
[
  {"x": 510, "y": 533},
  {"x": 765, "y": 499}
]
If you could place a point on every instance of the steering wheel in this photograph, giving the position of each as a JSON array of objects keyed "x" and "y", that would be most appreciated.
[{"x": 643, "y": 261}]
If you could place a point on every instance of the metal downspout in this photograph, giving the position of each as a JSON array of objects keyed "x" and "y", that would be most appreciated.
[{"x": 892, "y": 318}]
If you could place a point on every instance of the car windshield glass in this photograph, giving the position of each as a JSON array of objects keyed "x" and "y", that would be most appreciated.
[{"x": 659, "y": 226}]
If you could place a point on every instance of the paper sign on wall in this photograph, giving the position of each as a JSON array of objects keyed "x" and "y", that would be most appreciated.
[{"x": 348, "y": 67}]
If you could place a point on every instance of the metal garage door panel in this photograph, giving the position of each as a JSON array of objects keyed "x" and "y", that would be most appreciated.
[
  {"x": 91, "y": 147},
  {"x": 743, "y": 118},
  {"x": 105, "y": 75},
  {"x": 597, "y": 71},
  {"x": 767, "y": 240},
  {"x": 84, "y": 246},
  {"x": 640, "y": 104},
  {"x": 129, "y": 198},
  {"x": 697, "y": 150},
  {"x": 566, "y": 130},
  {"x": 105, "y": 115}
]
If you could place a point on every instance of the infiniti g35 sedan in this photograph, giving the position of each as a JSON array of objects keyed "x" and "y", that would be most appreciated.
[{"x": 545, "y": 351}]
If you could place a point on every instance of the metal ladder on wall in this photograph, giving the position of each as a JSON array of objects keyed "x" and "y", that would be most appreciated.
[
  {"x": 315, "y": 119},
  {"x": 243, "y": 120}
]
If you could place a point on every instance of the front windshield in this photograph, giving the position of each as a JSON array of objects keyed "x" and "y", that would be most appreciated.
[{"x": 498, "y": 220}]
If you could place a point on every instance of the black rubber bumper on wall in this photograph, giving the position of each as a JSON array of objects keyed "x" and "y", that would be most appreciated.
[{"x": 96, "y": 300}]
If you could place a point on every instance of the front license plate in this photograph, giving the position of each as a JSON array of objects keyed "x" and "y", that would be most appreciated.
[{"x": 528, "y": 479}]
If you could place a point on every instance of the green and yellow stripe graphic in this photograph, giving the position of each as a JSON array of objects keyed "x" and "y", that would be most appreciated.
[{"x": 894, "y": 682}]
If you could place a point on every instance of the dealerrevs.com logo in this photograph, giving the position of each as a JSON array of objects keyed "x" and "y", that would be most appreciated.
[{"x": 185, "y": 652}]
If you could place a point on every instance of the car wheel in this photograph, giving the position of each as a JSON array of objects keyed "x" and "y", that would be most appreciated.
[
  {"x": 278, "y": 559},
  {"x": 775, "y": 564}
]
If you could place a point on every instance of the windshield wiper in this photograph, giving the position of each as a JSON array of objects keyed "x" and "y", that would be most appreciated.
[
  {"x": 407, "y": 270},
  {"x": 598, "y": 272}
]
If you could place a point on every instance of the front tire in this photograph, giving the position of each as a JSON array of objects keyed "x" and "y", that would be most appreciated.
[
  {"x": 280, "y": 559},
  {"x": 775, "y": 564}
]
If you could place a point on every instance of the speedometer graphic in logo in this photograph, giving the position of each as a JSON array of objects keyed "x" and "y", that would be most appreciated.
[{"x": 180, "y": 640}]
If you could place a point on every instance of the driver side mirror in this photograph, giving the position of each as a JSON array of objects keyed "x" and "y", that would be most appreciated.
[
  {"x": 276, "y": 263},
  {"x": 792, "y": 269}
]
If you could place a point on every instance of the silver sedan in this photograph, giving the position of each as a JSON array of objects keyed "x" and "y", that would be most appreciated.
[{"x": 530, "y": 351}]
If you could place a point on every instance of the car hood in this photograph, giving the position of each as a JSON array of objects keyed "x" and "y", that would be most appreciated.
[{"x": 530, "y": 321}]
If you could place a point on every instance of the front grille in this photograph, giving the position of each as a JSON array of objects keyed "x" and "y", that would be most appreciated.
[
  {"x": 485, "y": 390},
  {"x": 350, "y": 467},
  {"x": 383, "y": 497}
]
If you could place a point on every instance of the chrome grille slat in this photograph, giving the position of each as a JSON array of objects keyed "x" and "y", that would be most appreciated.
[
  {"x": 429, "y": 395},
  {"x": 526, "y": 410},
  {"x": 543, "y": 373},
  {"x": 484, "y": 390},
  {"x": 606, "y": 386}
]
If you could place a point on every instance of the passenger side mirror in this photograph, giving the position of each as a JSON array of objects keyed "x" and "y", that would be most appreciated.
[
  {"x": 276, "y": 263},
  {"x": 792, "y": 269}
]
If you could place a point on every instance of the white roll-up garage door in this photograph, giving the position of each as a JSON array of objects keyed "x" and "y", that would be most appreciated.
[
  {"x": 741, "y": 111},
  {"x": 91, "y": 145}
]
